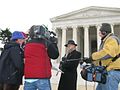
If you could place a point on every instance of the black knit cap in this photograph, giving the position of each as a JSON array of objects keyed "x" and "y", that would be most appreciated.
[{"x": 105, "y": 28}]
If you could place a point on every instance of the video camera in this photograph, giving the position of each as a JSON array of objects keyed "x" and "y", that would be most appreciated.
[
  {"x": 49, "y": 35},
  {"x": 42, "y": 32}
]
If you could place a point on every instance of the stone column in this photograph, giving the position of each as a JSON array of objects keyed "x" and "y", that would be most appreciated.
[
  {"x": 112, "y": 28},
  {"x": 98, "y": 36},
  {"x": 86, "y": 41},
  {"x": 63, "y": 49},
  {"x": 75, "y": 33}
]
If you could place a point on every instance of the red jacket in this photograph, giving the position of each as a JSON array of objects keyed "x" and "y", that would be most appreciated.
[{"x": 37, "y": 61}]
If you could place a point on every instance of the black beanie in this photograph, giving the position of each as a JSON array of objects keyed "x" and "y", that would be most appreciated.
[{"x": 105, "y": 28}]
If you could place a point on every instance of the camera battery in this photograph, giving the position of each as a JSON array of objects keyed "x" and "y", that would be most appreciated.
[
  {"x": 90, "y": 77},
  {"x": 98, "y": 77}
]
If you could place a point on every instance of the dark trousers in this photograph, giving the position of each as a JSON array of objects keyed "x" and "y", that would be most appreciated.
[{"x": 9, "y": 87}]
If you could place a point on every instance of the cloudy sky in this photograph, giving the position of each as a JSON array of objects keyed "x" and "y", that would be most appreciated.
[{"x": 21, "y": 14}]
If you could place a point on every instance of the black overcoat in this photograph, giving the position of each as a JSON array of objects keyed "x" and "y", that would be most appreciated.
[{"x": 68, "y": 79}]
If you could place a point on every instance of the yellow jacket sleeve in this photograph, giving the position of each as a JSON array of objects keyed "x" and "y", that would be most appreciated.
[{"x": 110, "y": 48}]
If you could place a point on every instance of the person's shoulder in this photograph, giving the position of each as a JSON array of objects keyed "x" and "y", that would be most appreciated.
[
  {"x": 11, "y": 45},
  {"x": 113, "y": 38},
  {"x": 77, "y": 52},
  {"x": 14, "y": 48}
]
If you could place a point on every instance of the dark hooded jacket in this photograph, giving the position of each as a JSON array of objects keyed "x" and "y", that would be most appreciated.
[{"x": 11, "y": 64}]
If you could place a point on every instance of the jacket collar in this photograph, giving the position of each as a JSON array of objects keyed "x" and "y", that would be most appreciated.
[{"x": 110, "y": 34}]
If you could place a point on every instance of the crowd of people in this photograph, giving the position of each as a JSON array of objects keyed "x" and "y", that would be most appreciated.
[{"x": 30, "y": 56}]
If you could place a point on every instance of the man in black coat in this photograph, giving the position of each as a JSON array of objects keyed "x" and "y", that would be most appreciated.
[
  {"x": 69, "y": 64},
  {"x": 12, "y": 63}
]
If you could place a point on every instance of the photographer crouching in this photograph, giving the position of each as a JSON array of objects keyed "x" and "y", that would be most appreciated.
[{"x": 40, "y": 48}]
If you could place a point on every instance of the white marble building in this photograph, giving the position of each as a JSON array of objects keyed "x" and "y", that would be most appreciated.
[{"x": 83, "y": 27}]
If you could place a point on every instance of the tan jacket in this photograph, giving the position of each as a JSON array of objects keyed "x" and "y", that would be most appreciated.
[{"x": 109, "y": 48}]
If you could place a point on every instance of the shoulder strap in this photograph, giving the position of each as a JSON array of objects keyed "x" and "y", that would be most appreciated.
[
  {"x": 117, "y": 56},
  {"x": 118, "y": 40},
  {"x": 115, "y": 37},
  {"x": 114, "y": 59}
]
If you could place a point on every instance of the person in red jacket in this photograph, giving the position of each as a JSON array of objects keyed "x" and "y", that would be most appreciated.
[{"x": 39, "y": 49}]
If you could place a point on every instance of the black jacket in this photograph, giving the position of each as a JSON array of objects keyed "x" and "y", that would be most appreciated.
[
  {"x": 68, "y": 79},
  {"x": 11, "y": 64}
]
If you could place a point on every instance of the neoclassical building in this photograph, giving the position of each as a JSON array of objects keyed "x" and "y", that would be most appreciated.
[{"x": 83, "y": 27}]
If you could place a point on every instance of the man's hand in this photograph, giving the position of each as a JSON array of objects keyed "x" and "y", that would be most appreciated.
[{"x": 54, "y": 40}]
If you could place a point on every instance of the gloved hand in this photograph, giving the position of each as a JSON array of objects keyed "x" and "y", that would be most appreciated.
[
  {"x": 87, "y": 60},
  {"x": 64, "y": 59},
  {"x": 61, "y": 66},
  {"x": 54, "y": 40}
]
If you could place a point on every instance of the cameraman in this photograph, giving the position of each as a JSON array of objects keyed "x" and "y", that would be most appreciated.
[
  {"x": 109, "y": 48},
  {"x": 38, "y": 51}
]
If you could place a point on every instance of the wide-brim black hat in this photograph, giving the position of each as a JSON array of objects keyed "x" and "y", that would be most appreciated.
[{"x": 70, "y": 42}]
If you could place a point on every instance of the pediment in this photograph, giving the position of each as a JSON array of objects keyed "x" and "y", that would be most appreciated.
[{"x": 89, "y": 12}]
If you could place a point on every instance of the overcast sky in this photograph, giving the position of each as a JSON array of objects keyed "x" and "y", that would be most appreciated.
[{"x": 21, "y": 14}]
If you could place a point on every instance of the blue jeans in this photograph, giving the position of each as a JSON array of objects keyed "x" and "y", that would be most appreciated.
[
  {"x": 113, "y": 80},
  {"x": 41, "y": 84}
]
